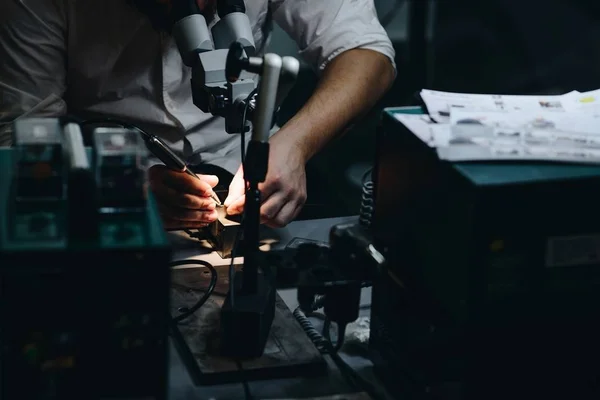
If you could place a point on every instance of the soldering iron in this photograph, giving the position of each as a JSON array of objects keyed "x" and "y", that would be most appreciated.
[{"x": 159, "y": 149}]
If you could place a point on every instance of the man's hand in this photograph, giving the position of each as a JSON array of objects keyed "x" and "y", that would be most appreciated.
[
  {"x": 283, "y": 192},
  {"x": 350, "y": 85},
  {"x": 183, "y": 201}
]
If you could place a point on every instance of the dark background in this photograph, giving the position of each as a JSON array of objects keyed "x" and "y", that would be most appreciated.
[{"x": 485, "y": 46}]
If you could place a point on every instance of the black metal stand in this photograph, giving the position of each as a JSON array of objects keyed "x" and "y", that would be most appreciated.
[{"x": 247, "y": 313}]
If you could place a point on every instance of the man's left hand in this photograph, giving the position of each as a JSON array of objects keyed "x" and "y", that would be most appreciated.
[{"x": 283, "y": 193}]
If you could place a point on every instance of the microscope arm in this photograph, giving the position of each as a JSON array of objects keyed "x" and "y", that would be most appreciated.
[
  {"x": 254, "y": 293},
  {"x": 270, "y": 95}
]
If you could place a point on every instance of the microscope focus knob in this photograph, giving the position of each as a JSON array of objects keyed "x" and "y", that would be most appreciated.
[{"x": 236, "y": 62}]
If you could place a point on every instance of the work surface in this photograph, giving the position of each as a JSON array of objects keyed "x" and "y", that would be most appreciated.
[{"x": 181, "y": 384}]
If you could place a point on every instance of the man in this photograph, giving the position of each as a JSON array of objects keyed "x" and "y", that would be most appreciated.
[{"x": 115, "y": 58}]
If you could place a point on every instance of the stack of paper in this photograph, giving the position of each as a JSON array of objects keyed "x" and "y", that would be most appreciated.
[{"x": 477, "y": 127}]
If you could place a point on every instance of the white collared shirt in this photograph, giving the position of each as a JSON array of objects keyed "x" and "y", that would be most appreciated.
[{"x": 103, "y": 58}]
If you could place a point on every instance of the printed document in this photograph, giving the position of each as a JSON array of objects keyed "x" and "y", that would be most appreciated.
[
  {"x": 440, "y": 105},
  {"x": 572, "y": 137}
]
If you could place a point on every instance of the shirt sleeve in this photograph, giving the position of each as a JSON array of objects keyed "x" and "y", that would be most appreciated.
[
  {"x": 325, "y": 28},
  {"x": 32, "y": 61}
]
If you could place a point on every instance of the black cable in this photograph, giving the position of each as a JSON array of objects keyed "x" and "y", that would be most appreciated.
[
  {"x": 211, "y": 287},
  {"x": 340, "y": 335},
  {"x": 313, "y": 334},
  {"x": 244, "y": 381},
  {"x": 367, "y": 203},
  {"x": 353, "y": 378},
  {"x": 238, "y": 236},
  {"x": 244, "y": 120},
  {"x": 319, "y": 302},
  {"x": 326, "y": 347}
]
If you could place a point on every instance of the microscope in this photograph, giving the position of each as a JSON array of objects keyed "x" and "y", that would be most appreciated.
[
  {"x": 224, "y": 64},
  {"x": 229, "y": 43}
]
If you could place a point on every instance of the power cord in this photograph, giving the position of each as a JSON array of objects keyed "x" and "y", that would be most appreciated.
[
  {"x": 244, "y": 120},
  {"x": 186, "y": 313},
  {"x": 313, "y": 334},
  {"x": 367, "y": 202},
  {"x": 244, "y": 381}
]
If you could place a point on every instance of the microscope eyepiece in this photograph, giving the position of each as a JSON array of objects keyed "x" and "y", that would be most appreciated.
[{"x": 182, "y": 8}]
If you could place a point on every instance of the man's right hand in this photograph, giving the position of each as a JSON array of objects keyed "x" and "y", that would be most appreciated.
[{"x": 184, "y": 202}]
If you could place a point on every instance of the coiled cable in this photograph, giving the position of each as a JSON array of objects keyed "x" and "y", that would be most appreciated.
[
  {"x": 319, "y": 302},
  {"x": 185, "y": 313},
  {"x": 367, "y": 203},
  {"x": 326, "y": 347},
  {"x": 313, "y": 334}
]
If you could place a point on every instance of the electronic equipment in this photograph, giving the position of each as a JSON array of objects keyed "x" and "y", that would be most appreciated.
[
  {"x": 84, "y": 266},
  {"x": 334, "y": 272},
  {"x": 485, "y": 275},
  {"x": 491, "y": 288},
  {"x": 39, "y": 160},
  {"x": 120, "y": 170}
]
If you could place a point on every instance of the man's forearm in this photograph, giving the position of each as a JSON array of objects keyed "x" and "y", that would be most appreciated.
[{"x": 350, "y": 86}]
